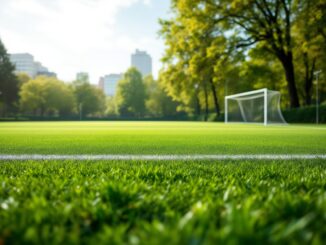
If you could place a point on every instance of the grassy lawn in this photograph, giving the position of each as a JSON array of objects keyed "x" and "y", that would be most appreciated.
[
  {"x": 158, "y": 138},
  {"x": 163, "y": 203},
  {"x": 157, "y": 202}
]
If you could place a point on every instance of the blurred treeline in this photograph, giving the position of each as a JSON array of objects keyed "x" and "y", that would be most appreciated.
[
  {"x": 217, "y": 48},
  {"x": 213, "y": 49},
  {"x": 48, "y": 97}
]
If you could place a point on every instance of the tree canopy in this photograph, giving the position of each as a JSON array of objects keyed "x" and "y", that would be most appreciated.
[
  {"x": 90, "y": 100},
  {"x": 214, "y": 48},
  {"x": 8, "y": 82},
  {"x": 46, "y": 96},
  {"x": 130, "y": 97}
]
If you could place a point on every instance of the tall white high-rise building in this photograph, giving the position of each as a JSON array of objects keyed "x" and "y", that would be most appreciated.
[
  {"x": 24, "y": 63},
  {"x": 109, "y": 83},
  {"x": 142, "y": 61}
]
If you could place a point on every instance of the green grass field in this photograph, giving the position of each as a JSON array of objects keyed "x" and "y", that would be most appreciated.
[
  {"x": 162, "y": 202},
  {"x": 158, "y": 138}
]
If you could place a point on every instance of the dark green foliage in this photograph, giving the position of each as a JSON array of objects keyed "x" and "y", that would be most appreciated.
[
  {"x": 8, "y": 83},
  {"x": 280, "y": 202},
  {"x": 305, "y": 115},
  {"x": 89, "y": 99}
]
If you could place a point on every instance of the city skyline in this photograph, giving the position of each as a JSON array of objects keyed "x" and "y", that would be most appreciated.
[
  {"x": 140, "y": 59},
  {"x": 100, "y": 44},
  {"x": 25, "y": 63}
]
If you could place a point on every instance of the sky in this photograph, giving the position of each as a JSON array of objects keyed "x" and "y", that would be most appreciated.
[{"x": 94, "y": 36}]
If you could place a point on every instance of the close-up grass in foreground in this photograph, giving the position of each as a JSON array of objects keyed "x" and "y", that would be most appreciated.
[{"x": 161, "y": 202}]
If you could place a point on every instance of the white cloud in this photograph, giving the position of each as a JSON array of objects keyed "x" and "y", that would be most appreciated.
[{"x": 70, "y": 36}]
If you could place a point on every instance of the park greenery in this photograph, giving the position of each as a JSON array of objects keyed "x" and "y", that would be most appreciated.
[
  {"x": 138, "y": 97},
  {"x": 213, "y": 49},
  {"x": 143, "y": 202},
  {"x": 118, "y": 137},
  {"x": 42, "y": 96},
  {"x": 161, "y": 202},
  {"x": 216, "y": 48},
  {"x": 8, "y": 83},
  {"x": 48, "y": 96}
]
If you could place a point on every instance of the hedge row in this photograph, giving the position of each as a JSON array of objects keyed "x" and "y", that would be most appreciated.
[
  {"x": 299, "y": 115},
  {"x": 305, "y": 114}
]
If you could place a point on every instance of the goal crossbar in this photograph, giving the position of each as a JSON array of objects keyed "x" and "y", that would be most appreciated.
[
  {"x": 255, "y": 96},
  {"x": 258, "y": 91}
]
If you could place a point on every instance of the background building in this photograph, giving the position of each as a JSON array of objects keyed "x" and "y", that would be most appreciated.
[
  {"x": 109, "y": 83},
  {"x": 24, "y": 63},
  {"x": 40, "y": 68},
  {"x": 101, "y": 83},
  {"x": 47, "y": 73},
  {"x": 43, "y": 71},
  {"x": 82, "y": 76},
  {"x": 142, "y": 61}
]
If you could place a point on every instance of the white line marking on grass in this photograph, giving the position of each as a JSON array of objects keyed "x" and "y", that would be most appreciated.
[{"x": 164, "y": 157}]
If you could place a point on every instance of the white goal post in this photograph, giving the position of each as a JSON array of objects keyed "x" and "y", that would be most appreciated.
[{"x": 258, "y": 106}]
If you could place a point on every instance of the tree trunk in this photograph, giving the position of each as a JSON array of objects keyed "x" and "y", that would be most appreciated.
[
  {"x": 216, "y": 104},
  {"x": 4, "y": 109},
  {"x": 5, "y": 105},
  {"x": 206, "y": 103},
  {"x": 287, "y": 62},
  {"x": 309, "y": 76},
  {"x": 197, "y": 108}
]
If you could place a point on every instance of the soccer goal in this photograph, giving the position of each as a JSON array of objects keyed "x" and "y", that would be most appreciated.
[{"x": 258, "y": 106}]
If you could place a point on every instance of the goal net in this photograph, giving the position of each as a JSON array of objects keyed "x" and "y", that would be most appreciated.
[{"x": 258, "y": 106}]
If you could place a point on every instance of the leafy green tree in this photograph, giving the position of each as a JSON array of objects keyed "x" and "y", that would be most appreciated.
[
  {"x": 262, "y": 70},
  {"x": 8, "y": 82},
  {"x": 158, "y": 103},
  {"x": 209, "y": 44},
  {"x": 46, "y": 96},
  {"x": 111, "y": 107},
  {"x": 90, "y": 100},
  {"x": 268, "y": 23},
  {"x": 310, "y": 44},
  {"x": 22, "y": 79},
  {"x": 32, "y": 97},
  {"x": 196, "y": 56},
  {"x": 130, "y": 97}
]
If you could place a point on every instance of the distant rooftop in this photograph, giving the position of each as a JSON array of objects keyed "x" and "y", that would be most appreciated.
[{"x": 140, "y": 52}]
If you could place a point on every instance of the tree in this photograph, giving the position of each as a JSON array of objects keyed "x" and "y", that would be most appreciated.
[
  {"x": 90, "y": 100},
  {"x": 130, "y": 97},
  {"x": 195, "y": 56},
  {"x": 111, "y": 107},
  {"x": 8, "y": 82},
  {"x": 32, "y": 97},
  {"x": 261, "y": 69},
  {"x": 310, "y": 44},
  {"x": 266, "y": 22},
  {"x": 22, "y": 79},
  {"x": 158, "y": 103},
  {"x": 206, "y": 38},
  {"x": 46, "y": 96}
]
